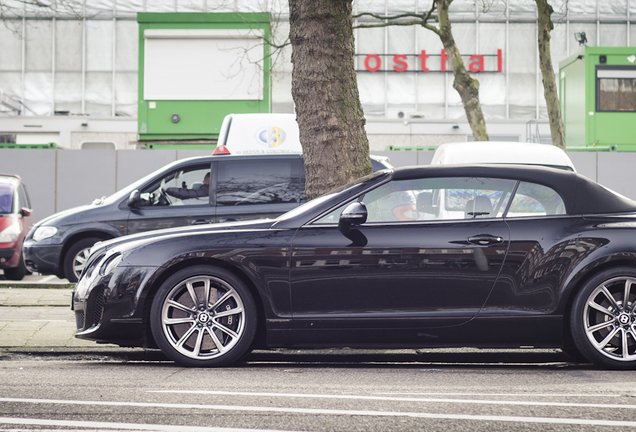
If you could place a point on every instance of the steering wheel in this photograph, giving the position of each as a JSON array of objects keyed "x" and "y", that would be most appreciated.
[{"x": 164, "y": 195}]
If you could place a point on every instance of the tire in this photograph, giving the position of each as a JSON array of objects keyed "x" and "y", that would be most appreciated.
[
  {"x": 16, "y": 273},
  {"x": 603, "y": 319},
  {"x": 206, "y": 335},
  {"x": 76, "y": 256}
]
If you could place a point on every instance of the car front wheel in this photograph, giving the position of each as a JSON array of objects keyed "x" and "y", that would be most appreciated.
[
  {"x": 203, "y": 316},
  {"x": 603, "y": 319}
]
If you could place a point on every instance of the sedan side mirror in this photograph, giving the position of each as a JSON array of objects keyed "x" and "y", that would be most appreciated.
[
  {"x": 134, "y": 198},
  {"x": 354, "y": 214},
  {"x": 25, "y": 212}
]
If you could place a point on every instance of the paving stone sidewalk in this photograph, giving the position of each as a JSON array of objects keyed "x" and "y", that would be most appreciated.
[{"x": 34, "y": 317}]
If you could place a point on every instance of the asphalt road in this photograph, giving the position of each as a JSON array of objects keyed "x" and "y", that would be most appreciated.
[{"x": 313, "y": 391}]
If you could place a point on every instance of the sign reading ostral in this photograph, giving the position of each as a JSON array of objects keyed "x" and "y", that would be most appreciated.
[{"x": 400, "y": 62}]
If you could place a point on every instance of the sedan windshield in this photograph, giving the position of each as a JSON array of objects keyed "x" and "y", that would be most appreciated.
[
  {"x": 310, "y": 205},
  {"x": 6, "y": 198}
]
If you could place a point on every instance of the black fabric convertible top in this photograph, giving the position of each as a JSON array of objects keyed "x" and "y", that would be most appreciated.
[{"x": 580, "y": 194}]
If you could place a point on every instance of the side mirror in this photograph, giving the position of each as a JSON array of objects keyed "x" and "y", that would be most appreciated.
[
  {"x": 425, "y": 203},
  {"x": 354, "y": 214},
  {"x": 134, "y": 198},
  {"x": 25, "y": 212}
]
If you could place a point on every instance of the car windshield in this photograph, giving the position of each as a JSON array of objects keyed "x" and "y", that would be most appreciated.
[
  {"x": 6, "y": 198},
  {"x": 310, "y": 205}
]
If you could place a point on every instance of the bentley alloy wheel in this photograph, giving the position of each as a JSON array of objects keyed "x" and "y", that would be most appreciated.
[
  {"x": 205, "y": 317},
  {"x": 605, "y": 310}
]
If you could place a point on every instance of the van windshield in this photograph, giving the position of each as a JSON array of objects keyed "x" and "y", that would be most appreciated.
[{"x": 6, "y": 198}]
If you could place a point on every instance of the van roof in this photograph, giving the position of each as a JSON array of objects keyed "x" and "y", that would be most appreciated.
[{"x": 500, "y": 152}]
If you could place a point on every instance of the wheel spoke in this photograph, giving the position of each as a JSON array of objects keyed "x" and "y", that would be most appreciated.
[
  {"x": 610, "y": 297},
  {"x": 600, "y": 326},
  {"x": 601, "y": 345},
  {"x": 229, "y": 312},
  {"x": 216, "y": 341},
  {"x": 223, "y": 298},
  {"x": 197, "y": 345},
  {"x": 175, "y": 321},
  {"x": 180, "y": 306},
  {"x": 600, "y": 308},
  {"x": 206, "y": 292},
  {"x": 625, "y": 344},
  {"x": 628, "y": 287},
  {"x": 225, "y": 330},
  {"x": 186, "y": 336},
  {"x": 193, "y": 294}
]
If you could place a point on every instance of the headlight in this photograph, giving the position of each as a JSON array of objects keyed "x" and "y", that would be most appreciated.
[
  {"x": 110, "y": 264},
  {"x": 10, "y": 233},
  {"x": 44, "y": 232}
]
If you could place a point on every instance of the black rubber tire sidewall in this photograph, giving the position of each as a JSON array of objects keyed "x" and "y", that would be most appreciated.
[
  {"x": 70, "y": 256},
  {"x": 583, "y": 345},
  {"x": 239, "y": 350}
]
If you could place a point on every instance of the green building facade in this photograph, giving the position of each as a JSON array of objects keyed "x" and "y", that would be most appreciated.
[
  {"x": 598, "y": 98},
  {"x": 195, "y": 68}
]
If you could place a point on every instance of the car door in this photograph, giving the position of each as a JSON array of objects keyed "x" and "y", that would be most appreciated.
[
  {"x": 427, "y": 256},
  {"x": 256, "y": 187},
  {"x": 159, "y": 209},
  {"x": 544, "y": 247}
]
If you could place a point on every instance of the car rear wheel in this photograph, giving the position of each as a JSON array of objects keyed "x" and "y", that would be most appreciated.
[
  {"x": 603, "y": 319},
  {"x": 76, "y": 257},
  {"x": 203, "y": 316}
]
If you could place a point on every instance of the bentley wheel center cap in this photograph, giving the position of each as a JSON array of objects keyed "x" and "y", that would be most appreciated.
[
  {"x": 623, "y": 319},
  {"x": 204, "y": 318}
]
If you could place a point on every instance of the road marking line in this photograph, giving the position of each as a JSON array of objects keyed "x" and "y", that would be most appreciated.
[
  {"x": 316, "y": 411},
  {"x": 503, "y": 394},
  {"x": 128, "y": 426},
  {"x": 399, "y": 399}
]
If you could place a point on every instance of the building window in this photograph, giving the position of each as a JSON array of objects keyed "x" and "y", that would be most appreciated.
[{"x": 616, "y": 89}]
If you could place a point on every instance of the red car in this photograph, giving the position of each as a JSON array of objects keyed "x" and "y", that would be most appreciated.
[{"x": 15, "y": 222}]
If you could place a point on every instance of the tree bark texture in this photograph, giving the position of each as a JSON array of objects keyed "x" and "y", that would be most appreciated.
[
  {"x": 547, "y": 72},
  {"x": 467, "y": 87},
  {"x": 325, "y": 92}
]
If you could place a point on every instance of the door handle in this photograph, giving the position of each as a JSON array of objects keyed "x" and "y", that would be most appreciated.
[
  {"x": 485, "y": 239},
  {"x": 201, "y": 221},
  {"x": 228, "y": 220}
]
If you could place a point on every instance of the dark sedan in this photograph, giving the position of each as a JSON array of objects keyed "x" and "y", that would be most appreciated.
[{"x": 438, "y": 256}]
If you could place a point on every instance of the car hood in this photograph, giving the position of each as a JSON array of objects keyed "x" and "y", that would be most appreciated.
[
  {"x": 179, "y": 231},
  {"x": 85, "y": 213}
]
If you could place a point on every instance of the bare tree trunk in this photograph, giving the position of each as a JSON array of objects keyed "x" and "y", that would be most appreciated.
[
  {"x": 325, "y": 92},
  {"x": 467, "y": 87},
  {"x": 549, "y": 82}
]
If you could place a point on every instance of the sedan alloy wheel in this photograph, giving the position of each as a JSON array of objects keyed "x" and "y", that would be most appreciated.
[
  {"x": 606, "y": 317},
  {"x": 206, "y": 318}
]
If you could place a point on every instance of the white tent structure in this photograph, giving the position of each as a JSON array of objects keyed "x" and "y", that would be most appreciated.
[{"x": 81, "y": 57}]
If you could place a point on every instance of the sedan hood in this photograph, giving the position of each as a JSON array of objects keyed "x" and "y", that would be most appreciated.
[{"x": 199, "y": 229}]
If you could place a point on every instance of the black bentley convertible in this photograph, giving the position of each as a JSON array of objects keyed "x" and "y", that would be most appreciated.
[{"x": 437, "y": 256}]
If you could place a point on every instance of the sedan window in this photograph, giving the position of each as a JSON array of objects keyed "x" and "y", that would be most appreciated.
[
  {"x": 535, "y": 200},
  {"x": 433, "y": 199}
]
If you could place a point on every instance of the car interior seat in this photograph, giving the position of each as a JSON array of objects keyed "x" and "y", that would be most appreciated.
[{"x": 479, "y": 207}]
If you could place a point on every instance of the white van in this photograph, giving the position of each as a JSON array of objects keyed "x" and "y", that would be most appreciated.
[
  {"x": 251, "y": 134},
  {"x": 499, "y": 152}
]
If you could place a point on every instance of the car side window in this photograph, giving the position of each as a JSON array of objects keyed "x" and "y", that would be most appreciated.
[
  {"x": 433, "y": 199},
  {"x": 249, "y": 182},
  {"x": 535, "y": 200},
  {"x": 186, "y": 187}
]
